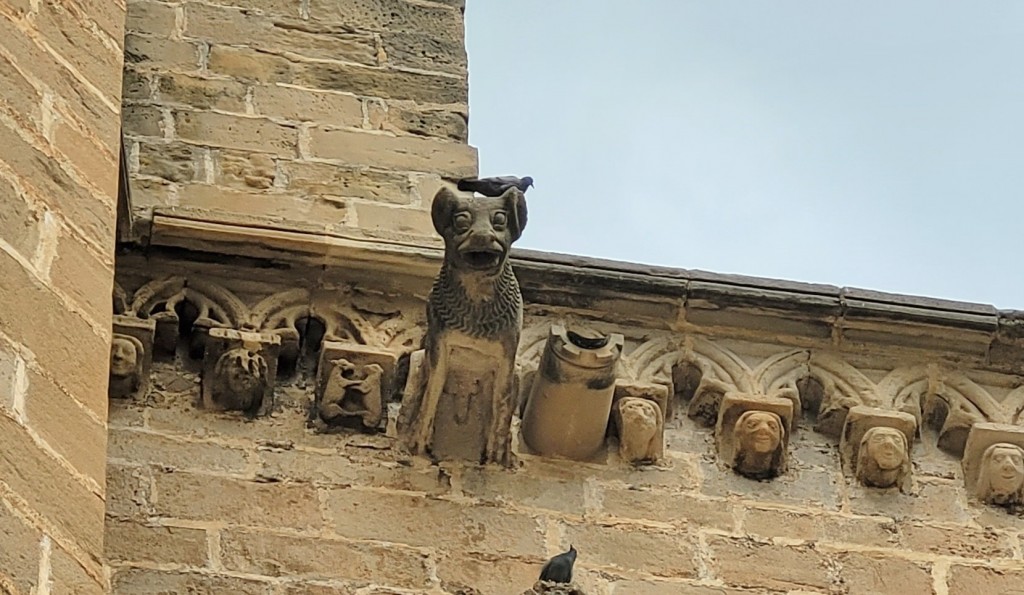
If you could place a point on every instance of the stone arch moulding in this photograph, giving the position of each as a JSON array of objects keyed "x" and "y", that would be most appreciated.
[
  {"x": 696, "y": 370},
  {"x": 214, "y": 306},
  {"x": 818, "y": 383},
  {"x": 945, "y": 401}
]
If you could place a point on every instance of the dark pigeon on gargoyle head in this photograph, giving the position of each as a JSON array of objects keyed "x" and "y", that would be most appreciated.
[{"x": 496, "y": 186}]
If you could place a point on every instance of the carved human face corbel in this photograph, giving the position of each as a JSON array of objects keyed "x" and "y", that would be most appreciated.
[
  {"x": 239, "y": 370},
  {"x": 131, "y": 354},
  {"x": 994, "y": 464},
  {"x": 876, "y": 446},
  {"x": 639, "y": 421},
  {"x": 753, "y": 434}
]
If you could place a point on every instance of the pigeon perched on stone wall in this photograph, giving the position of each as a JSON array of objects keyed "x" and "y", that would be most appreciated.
[
  {"x": 494, "y": 186},
  {"x": 559, "y": 568}
]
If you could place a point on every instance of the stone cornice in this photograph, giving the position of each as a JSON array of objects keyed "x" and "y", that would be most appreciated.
[{"x": 650, "y": 296}]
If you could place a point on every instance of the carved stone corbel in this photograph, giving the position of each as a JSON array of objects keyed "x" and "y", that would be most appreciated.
[
  {"x": 876, "y": 446},
  {"x": 131, "y": 355},
  {"x": 239, "y": 370},
  {"x": 570, "y": 404},
  {"x": 638, "y": 411},
  {"x": 993, "y": 464},
  {"x": 753, "y": 434},
  {"x": 353, "y": 382},
  {"x": 462, "y": 409}
]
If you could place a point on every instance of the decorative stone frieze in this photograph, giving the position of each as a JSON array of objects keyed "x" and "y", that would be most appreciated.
[
  {"x": 570, "y": 403},
  {"x": 993, "y": 464},
  {"x": 753, "y": 434},
  {"x": 876, "y": 446},
  {"x": 464, "y": 405},
  {"x": 131, "y": 355},
  {"x": 353, "y": 382},
  {"x": 239, "y": 371}
]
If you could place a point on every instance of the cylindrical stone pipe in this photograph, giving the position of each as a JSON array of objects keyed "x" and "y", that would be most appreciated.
[{"x": 571, "y": 399}]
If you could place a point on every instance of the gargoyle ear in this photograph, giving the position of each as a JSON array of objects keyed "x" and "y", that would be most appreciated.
[
  {"x": 441, "y": 209},
  {"x": 515, "y": 204}
]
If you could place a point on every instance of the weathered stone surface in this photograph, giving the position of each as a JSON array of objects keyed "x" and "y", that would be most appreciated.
[
  {"x": 175, "y": 454},
  {"x": 961, "y": 541},
  {"x": 250, "y": 65},
  {"x": 390, "y": 16},
  {"x": 307, "y": 105},
  {"x": 19, "y": 558},
  {"x": 425, "y": 52},
  {"x": 246, "y": 502},
  {"x": 655, "y": 587},
  {"x": 159, "y": 53},
  {"x": 440, "y": 123},
  {"x": 48, "y": 180},
  {"x": 427, "y": 522},
  {"x": 744, "y": 562},
  {"x": 966, "y": 580},
  {"x": 373, "y": 218},
  {"x": 279, "y": 34},
  {"x": 201, "y": 93},
  {"x": 147, "y": 16},
  {"x": 524, "y": 489},
  {"x": 143, "y": 120},
  {"x": 23, "y": 98},
  {"x": 394, "y": 152},
  {"x": 502, "y": 576},
  {"x": 635, "y": 548},
  {"x": 130, "y": 541},
  {"x": 281, "y": 555},
  {"x": 174, "y": 162},
  {"x": 50, "y": 412},
  {"x": 883, "y": 575},
  {"x": 251, "y": 207},
  {"x": 930, "y": 502},
  {"x": 68, "y": 575},
  {"x": 78, "y": 273},
  {"x": 325, "y": 178},
  {"x": 243, "y": 170},
  {"x": 140, "y": 580},
  {"x": 129, "y": 491},
  {"x": 236, "y": 132},
  {"x": 70, "y": 33},
  {"x": 86, "y": 106},
  {"x": 388, "y": 84},
  {"x": 667, "y": 507},
  {"x": 29, "y": 307},
  {"x": 135, "y": 86},
  {"x": 19, "y": 221},
  {"x": 53, "y": 492}
]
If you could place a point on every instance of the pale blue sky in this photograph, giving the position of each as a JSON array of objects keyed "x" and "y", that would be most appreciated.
[{"x": 876, "y": 144}]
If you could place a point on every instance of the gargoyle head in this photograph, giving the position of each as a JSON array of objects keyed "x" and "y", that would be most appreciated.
[{"x": 478, "y": 231}]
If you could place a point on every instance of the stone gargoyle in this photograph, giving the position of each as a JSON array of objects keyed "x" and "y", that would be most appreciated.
[{"x": 459, "y": 405}]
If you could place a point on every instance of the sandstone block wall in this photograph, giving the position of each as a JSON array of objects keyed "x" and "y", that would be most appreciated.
[
  {"x": 336, "y": 116},
  {"x": 60, "y": 74}
]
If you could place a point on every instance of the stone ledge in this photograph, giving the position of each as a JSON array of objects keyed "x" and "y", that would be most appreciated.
[{"x": 660, "y": 297}]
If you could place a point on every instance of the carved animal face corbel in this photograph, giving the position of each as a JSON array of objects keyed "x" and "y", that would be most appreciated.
[{"x": 353, "y": 385}]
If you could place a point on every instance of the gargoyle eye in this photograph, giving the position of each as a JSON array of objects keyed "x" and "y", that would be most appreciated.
[
  {"x": 499, "y": 220},
  {"x": 462, "y": 221}
]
